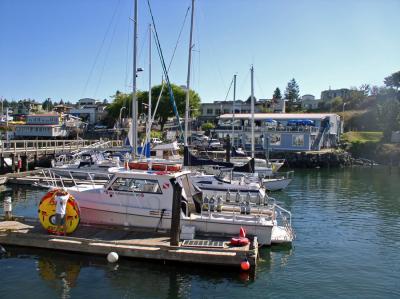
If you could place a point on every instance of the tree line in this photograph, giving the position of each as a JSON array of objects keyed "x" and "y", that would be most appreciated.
[{"x": 164, "y": 110}]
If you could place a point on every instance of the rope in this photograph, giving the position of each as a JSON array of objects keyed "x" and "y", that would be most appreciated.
[
  {"x": 147, "y": 137},
  {"x": 159, "y": 50},
  {"x": 107, "y": 53},
  {"x": 101, "y": 47},
  {"x": 230, "y": 86}
]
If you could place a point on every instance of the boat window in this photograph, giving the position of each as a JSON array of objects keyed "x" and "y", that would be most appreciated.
[
  {"x": 204, "y": 182},
  {"x": 136, "y": 185}
]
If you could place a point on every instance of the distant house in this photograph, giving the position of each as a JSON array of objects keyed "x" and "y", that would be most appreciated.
[
  {"x": 344, "y": 93},
  {"x": 41, "y": 125},
  {"x": 26, "y": 107},
  {"x": 210, "y": 111},
  {"x": 395, "y": 137},
  {"x": 308, "y": 101},
  {"x": 90, "y": 110},
  {"x": 62, "y": 108}
]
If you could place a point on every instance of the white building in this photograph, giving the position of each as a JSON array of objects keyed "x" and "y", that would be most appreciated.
[
  {"x": 90, "y": 110},
  {"x": 41, "y": 125},
  {"x": 285, "y": 131},
  {"x": 308, "y": 101}
]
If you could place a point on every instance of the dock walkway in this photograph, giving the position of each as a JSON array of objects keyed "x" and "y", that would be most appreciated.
[{"x": 127, "y": 243}]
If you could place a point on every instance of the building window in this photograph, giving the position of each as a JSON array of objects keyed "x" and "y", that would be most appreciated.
[{"x": 210, "y": 111}]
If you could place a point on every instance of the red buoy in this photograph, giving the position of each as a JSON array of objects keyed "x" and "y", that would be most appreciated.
[
  {"x": 242, "y": 232},
  {"x": 245, "y": 265}
]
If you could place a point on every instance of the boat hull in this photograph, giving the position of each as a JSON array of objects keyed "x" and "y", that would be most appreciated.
[
  {"x": 276, "y": 184},
  {"x": 209, "y": 223}
]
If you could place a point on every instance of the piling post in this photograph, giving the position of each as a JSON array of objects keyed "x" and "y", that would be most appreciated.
[
  {"x": 176, "y": 213},
  {"x": 8, "y": 208},
  {"x": 25, "y": 163},
  {"x": 1, "y": 163},
  {"x": 19, "y": 163},
  {"x": 228, "y": 148},
  {"x": 12, "y": 163}
]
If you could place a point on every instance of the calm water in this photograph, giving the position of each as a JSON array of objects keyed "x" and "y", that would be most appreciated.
[{"x": 348, "y": 245}]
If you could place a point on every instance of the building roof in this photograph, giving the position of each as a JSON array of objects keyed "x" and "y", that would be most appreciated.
[
  {"x": 43, "y": 114},
  {"x": 283, "y": 116}
]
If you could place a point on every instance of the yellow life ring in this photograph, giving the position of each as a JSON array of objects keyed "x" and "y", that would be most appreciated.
[{"x": 47, "y": 213}]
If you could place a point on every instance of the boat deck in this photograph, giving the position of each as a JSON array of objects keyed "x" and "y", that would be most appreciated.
[{"x": 129, "y": 243}]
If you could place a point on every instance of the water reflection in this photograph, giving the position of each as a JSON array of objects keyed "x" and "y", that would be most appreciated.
[{"x": 70, "y": 274}]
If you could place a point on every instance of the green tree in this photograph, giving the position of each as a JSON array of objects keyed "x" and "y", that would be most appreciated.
[
  {"x": 164, "y": 110},
  {"x": 336, "y": 104},
  {"x": 47, "y": 105},
  {"x": 393, "y": 80},
  {"x": 292, "y": 91},
  {"x": 207, "y": 126},
  {"x": 389, "y": 117},
  {"x": 277, "y": 94}
]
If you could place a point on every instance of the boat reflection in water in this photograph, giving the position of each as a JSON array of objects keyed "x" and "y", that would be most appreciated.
[{"x": 69, "y": 275}]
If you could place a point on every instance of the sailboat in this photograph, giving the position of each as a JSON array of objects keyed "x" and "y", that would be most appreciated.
[{"x": 137, "y": 198}]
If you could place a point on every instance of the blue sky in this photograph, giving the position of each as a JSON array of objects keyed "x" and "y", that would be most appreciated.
[{"x": 48, "y": 48}]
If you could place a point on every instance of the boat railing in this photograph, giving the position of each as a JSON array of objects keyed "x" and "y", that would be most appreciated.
[
  {"x": 62, "y": 177},
  {"x": 285, "y": 217},
  {"x": 264, "y": 208}
]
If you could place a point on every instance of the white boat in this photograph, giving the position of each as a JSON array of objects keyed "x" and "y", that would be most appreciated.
[
  {"x": 212, "y": 185},
  {"x": 92, "y": 162},
  {"x": 276, "y": 184},
  {"x": 144, "y": 199}
]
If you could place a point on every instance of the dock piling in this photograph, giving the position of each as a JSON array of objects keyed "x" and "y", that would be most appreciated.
[
  {"x": 176, "y": 215},
  {"x": 8, "y": 208}
]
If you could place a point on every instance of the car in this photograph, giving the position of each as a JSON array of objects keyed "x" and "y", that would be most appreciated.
[{"x": 156, "y": 140}]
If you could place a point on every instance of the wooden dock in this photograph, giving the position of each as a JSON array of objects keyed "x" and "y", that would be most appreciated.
[{"x": 130, "y": 244}]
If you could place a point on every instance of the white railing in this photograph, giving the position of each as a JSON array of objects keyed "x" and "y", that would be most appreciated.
[
  {"x": 18, "y": 146},
  {"x": 54, "y": 179}
]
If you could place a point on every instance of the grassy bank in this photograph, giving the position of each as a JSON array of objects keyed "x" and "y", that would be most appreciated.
[
  {"x": 369, "y": 145},
  {"x": 362, "y": 137}
]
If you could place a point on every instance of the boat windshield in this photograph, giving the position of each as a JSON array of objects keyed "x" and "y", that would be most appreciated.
[{"x": 135, "y": 185}]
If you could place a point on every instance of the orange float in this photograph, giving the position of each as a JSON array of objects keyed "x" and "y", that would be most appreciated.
[
  {"x": 155, "y": 166},
  {"x": 47, "y": 213}
]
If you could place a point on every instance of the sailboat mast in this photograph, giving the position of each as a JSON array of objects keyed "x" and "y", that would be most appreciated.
[
  {"x": 149, "y": 104},
  {"x": 134, "y": 99},
  {"x": 188, "y": 79},
  {"x": 233, "y": 109},
  {"x": 252, "y": 111}
]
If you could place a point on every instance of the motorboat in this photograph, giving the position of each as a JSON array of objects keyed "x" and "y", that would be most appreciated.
[
  {"x": 86, "y": 161},
  {"x": 277, "y": 182},
  {"x": 219, "y": 185},
  {"x": 144, "y": 199}
]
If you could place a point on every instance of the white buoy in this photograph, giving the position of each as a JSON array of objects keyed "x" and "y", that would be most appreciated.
[{"x": 112, "y": 257}]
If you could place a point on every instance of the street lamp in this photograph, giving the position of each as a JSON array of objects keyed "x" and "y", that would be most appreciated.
[
  {"x": 344, "y": 104},
  {"x": 120, "y": 112}
]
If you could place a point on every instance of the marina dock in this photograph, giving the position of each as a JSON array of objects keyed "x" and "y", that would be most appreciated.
[{"x": 129, "y": 243}]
